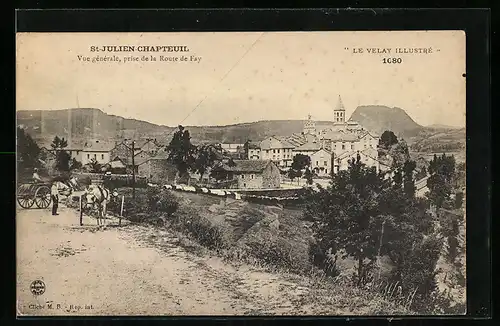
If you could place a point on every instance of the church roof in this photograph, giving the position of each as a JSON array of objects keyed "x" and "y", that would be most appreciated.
[{"x": 340, "y": 136}]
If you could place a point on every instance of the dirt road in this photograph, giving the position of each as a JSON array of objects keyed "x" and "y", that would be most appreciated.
[{"x": 113, "y": 272}]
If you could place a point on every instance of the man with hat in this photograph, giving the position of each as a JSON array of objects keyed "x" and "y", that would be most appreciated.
[{"x": 54, "y": 193}]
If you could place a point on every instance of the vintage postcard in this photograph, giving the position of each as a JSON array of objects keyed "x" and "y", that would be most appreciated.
[{"x": 231, "y": 173}]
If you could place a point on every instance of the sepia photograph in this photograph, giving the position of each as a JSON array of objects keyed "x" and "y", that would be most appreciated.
[{"x": 241, "y": 173}]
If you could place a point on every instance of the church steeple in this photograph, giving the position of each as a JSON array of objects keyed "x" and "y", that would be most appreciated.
[
  {"x": 309, "y": 126},
  {"x": 339, "y": 112}
]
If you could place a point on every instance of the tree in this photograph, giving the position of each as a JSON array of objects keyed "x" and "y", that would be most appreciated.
[
  {"x": 368, "y": 217},
  {"x": 441, "y": 180},
  {"x": 300, "y": 162},
  {"x": 206, "y": 156},
  {"x": 62, "y": 157},
  {"x": 388, "y": 139},
  {"x": 408, "y": 180},
  {"x": 75, "y": 165},
  {"x": 27, "y": 150},
  {"x": 399, "y": 154},
  {"x": 95, "y": 167},
  {"x": 181, "y": 152},
  {"x": 346, "y": 214},
  {"x": 309, "y": 176},
  {"x": 246, "y": 148},
  {"x": 397, "y": 179},
  {"x": 292, "y": 174}
]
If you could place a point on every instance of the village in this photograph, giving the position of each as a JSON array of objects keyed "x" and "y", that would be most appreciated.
[{"x": 255, "y": 165}]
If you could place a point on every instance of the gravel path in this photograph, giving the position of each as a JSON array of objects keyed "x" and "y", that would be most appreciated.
[{"x": 87, "y": 271}]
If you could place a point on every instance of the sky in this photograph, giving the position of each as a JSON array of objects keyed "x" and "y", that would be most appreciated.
[{"x": 245, "y": 77}]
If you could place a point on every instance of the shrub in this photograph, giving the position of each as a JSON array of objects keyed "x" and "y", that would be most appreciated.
[
  {"x": 212, "y": 233},
  {"x": 323, "y": 259},
  {"x": 281, "y": 253},
  {"x": 417, "y": 273}
]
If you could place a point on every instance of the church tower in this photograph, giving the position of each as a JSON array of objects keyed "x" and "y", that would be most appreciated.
[
  {"x": 339, "y": 113},
  {"x": 309, "y": 127}
]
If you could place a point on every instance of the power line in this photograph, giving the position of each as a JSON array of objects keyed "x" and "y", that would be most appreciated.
[{"x": 223, "y": 77}]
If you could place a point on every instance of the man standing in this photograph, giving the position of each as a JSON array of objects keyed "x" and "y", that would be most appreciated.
[{"x": 54, "y": 191}]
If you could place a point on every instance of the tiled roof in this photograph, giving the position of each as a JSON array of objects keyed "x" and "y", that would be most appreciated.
[
  {"x": 253, "y": 145},
  {"x": 340, "y": 136},
  {"x": 99, "y": 147},
  {"x": 284, "y": 142},
  {"x": 116, "y": 164},
  {"x": 246, "y": 166},
  {"x": 310, "y": 146}
]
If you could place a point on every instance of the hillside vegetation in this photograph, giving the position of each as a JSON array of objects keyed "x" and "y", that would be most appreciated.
[{"x": 87, "y": 122}]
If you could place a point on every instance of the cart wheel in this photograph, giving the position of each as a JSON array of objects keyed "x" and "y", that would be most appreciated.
[
  {"x": 42, "y": 197},
  {"x": 25, "y": 201}
]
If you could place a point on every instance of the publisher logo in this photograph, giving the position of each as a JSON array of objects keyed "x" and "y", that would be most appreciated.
[{"x": 37, "y": 287}]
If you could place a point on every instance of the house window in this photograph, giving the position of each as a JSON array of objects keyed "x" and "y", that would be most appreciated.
[
  {"x": 267, "y": 151},
  {"x": 325, "y": 163},
  {"x": 352, "y": 146},
  {"x": 278, "y": 151},
  {"x": 102, "y": 156},
  {"x": 274, "y": 157},
  {"x": 251, "y": 176},
  {"x": 274, "y": 151},
  {"x": 244, "y": 185},
  {"x": 326, "y": 170},
  {"x": 243, "y": 176},
  {"x": 343, "y": 146},
  {"x": 95, "y": 156},
  {"x": 317, "y": 163}
]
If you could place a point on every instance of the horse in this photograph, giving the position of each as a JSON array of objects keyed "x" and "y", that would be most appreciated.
[{"x": 97, "y": 197}]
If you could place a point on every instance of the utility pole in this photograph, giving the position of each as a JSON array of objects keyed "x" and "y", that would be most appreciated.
[{"x": 133, "y": 170}]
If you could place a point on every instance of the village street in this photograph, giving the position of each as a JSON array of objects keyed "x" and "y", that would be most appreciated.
[{"x": 113, "y": 272}]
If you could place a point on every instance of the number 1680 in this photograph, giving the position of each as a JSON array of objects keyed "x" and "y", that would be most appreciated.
[{"x": 392, "y": 60}]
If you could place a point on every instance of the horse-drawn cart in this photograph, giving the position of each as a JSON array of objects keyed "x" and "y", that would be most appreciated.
[{"x": 34, "y": 193}]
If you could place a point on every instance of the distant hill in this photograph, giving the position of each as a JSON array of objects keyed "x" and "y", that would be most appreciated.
[
  {"x": 81, "y": 123},
  {"x": 379, "y": 118},
  {"x": 84, "y": 123}
]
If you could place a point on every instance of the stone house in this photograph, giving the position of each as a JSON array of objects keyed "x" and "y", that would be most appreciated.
[
  {"x": 253, "y": 151},
  {"x": 98, "y": 151},
  {"x": 368, "y": 157},
  {"x": 251, "y": 174},
  {"x": 308, "y": 148},
  {"x": 156, "y": 169},
  {"x": 121, "y": 150},
  {"x": 280, "y": 151},
  {"x": 147, "y": 146},
  {"x": 321, "y": 162}
]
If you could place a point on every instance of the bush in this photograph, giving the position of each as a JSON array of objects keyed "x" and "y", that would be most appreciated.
[
  {"x": 417, "y": 273},
  {"x": 323, "y": 259},
  {"x": 214, "y": 234},
  {"x": 281, "y": 253}
]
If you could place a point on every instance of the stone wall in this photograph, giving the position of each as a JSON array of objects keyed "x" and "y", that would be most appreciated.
[
  {"x": 249, "y": 180},
  {"x": 158, "y": 171},
  {"x": 271, "y": 177}
]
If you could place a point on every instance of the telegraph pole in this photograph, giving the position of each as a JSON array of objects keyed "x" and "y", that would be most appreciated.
[{"x": 133, "y": 170}]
